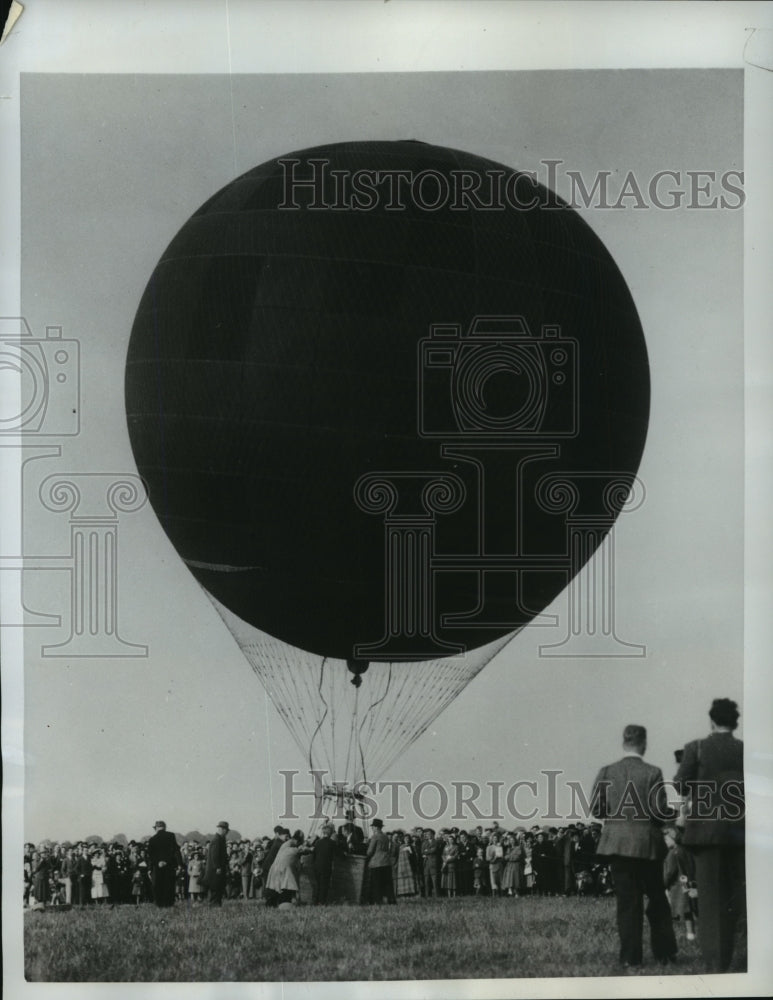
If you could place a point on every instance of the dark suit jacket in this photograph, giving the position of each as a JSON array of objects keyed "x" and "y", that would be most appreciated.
[
  {"x": 163, "y": 846},
  {"x": 324, "y": 851},
  {"x": 217, "y": 857},
  {"x": 353, "y": 838},
  {"x": 711, "y": 774},
  {"x": 630, "y": 797},
  {"x": 83, "y": 869},
  {"x": 431, "y": 850}
]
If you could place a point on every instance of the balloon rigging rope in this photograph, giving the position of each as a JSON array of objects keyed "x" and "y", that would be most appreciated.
[
  {"x": 462, "y": 681},
  {"x": 282, "y": 686},
  {"x": 324, "y": 714},
  {"x": 443, "y": 681},
  {"x": 352, "y": 735},
  {"x": 280, "y": 694},
  {"x": 331, "y": 758},
  {"x": 420, "y": 696},
  {"x": 405, "y": 698},
  {"x": 368, "y": 711},
  {"x": 371, "y": 718}
]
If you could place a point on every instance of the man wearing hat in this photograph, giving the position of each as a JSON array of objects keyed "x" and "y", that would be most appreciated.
[
  {"x": 631, "y": 798},
  {"x": 379, "y": 859},
  {"x": 164, "y": 858},
  {"x": 216, "y": 871},
  {"x": 82, "y": 876}
]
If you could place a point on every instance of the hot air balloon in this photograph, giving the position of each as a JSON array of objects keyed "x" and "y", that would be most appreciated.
[{"x": 330, "y": 357}]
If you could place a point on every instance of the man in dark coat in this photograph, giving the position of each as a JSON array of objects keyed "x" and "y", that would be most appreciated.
[
  {"x": 431, "y": 851},
  {"x": 216, "y": 870},
  {"x": 379, "y": 855},
  {"x": 81, "y": 885},
  {"x": 164, "y": 858},
  {"x": 323, "y": 854},
  {"x": 711, "y": 774},
  {"x": 563, "y": 849},
  {"x": 351, "y": 836},
  {"x": 631, "y": 797}
]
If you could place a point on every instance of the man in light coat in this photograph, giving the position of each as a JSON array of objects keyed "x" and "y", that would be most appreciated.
[{"x": 630, "y": 796}]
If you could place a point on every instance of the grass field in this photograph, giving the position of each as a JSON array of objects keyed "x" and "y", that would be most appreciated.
[{"x": 245, "y": 942}]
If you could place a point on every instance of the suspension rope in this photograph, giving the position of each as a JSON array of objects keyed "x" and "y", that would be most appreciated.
[
  {"x": 324, "y": 714},
  {"x": 312, "y": 696}
]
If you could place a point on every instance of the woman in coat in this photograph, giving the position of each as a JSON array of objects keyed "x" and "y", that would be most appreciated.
[
  {"x": 406, "y": 883},
  {"x": 283, "y": 879},
  {"x": 511, "y": 876},
  {"x": 448, "y": 879},
  {"x": 495, "y": 859},
  {"x": 41, "y": 870},
  {"x": 99, "y": 888}
]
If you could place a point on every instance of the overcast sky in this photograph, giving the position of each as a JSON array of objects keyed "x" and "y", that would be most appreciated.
[{"x": 112, "y": 166}]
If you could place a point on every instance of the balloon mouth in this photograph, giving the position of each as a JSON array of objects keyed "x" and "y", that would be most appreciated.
[{"x": 357, "y": 667}]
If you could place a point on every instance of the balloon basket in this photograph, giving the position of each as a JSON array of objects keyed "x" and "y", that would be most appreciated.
[
  {"x": 349, "y": 882},
  {"x": 350, "y": 879}
]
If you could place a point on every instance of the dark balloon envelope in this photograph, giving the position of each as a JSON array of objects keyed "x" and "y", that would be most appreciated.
[{"x": 276, "y": 357}]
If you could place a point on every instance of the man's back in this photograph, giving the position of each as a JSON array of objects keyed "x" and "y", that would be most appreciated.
[
  {"x": 162, "y": 846},
  {"x": 324, "y": 850},
  {"x": 218, "y": 852},
  {"x": 378, "y": 850},
  {"x": 631, "y": 797},
  {"x": 712, "y": 772}
]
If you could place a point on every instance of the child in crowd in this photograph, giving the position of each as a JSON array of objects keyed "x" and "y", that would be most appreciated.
[
  {"x": 138, "y": 889},
  {"x": 195, "y": 871},
  {"x": 479, "y": 872},
  {"x": 679, "y": 880},
  {"x": 528, "y": 870}
]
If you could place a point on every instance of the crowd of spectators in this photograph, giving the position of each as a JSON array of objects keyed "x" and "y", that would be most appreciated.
[
  {"x": 447, "y": 863},
  {"x": 542, "y": 861}
]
